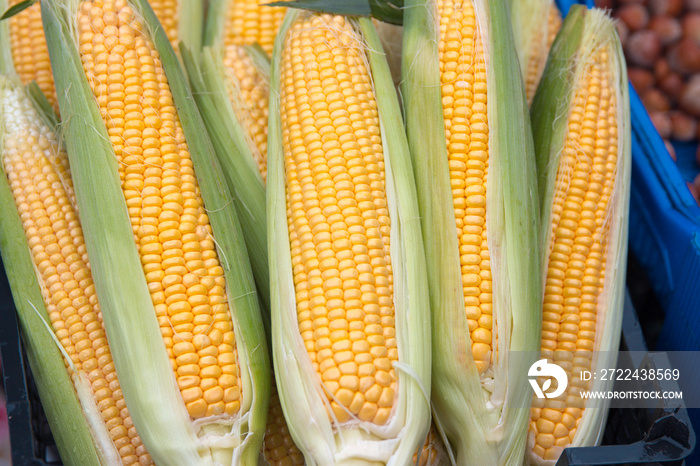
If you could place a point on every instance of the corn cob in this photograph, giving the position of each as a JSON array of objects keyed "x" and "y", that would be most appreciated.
[
  {"x": 232, "y": 27},
  {"x": 582, "y": 134},
  {"x": 349, "y": 304},
  {"x": 231, "y": 90},
  {"x": 432, "y": 452},
  {"x": 279, "y": 448},
  {"x": 55, "y": 387},
  {"x": 245, "y": 22},
  {"x": 29, "y": 56},
  {"x": 37, "y": 169},
  {"x": 199, "y": 393},
  {"x": 471, "y": 144},
  {"x": 534, "y": 37}
]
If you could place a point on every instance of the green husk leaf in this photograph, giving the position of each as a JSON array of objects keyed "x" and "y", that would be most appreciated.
[
  {"x": 144, "y": 370},
  {"x": 302, "y": 399},
  {"x": 494, "y": 413},
  {"x": 148, "y": 382},
  {"x": 17, "y": 8},
  {"x": 531, "y": 31},
  {"x": 582, "y": 33},
  {"x": 42, "y": 105},
  {"x": 555, "y": 86},
  {"x": 389, "y": 11},
  {"x": 207, "y": 77},
  {"x": 75, "y": 445},
  {"x": 191, "y": 24},
  {"x": 6, "y": 64},
  {"x": 225, "y": 223},
  {"x": 215, "y": 23}
]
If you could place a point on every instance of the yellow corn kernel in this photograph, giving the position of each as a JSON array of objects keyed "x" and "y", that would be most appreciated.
[
  {"x": 463, "y": 80},
  {"x": 168, "y": 13},
  {"x": 578, "y": 250},
  {"x": 30, "y": 54},
  {"x": 338, "y": 218},
  {"x": 539, "y": 50},
  {"x": 249, "y": 22},
  {"x": 37, "y": 170},
  {"x": 169, "y": 222},
  {"x": 279, "y": 448},
  {"x": 249, "y": 94},
  {"x": 433, "y": 451}
]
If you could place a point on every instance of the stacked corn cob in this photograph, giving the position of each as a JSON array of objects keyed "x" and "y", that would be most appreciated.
[
  {"x": 581, "y": 124},
  {"x": 349, "y": 301},
  {"x": 534, "y": 38},
  {"x": 348, "y": 280}
]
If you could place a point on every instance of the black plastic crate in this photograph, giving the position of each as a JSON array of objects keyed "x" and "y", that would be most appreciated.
[
  {"x": 656, "y": 435},
  {"x": 30, "y": 436}
]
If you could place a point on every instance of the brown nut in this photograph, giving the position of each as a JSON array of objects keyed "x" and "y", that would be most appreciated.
[
  {"x": 643, "y": 48},
  {"x": 684, "y": 56},
  {"x": 684, "y": 127},
  {"x": 671, "y": 85},
  {"x": 662, "y": 123},
  {"x": 655, "y": 101},
  {"x": 690, "y": 26},
  {"x": 622, "y": 31},
  {"x": 634, "y": 15},
  {"x": 605, "y": 4},
  {"x": 691, "y": 5},
  {"x": 667, "y": 28},
  {"x": 640, "y": 78},
  {"x": 666, "y": 7},
  {"x": 661, "y": 68},
  {"x": 689, "y": 99}
]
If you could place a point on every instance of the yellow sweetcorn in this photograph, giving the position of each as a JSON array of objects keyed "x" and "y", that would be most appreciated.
[
  {"x": 278, "y": 447},
  {"x": 342, "y": 269},
  {"x": 468, "y": 128},
  {"x": 346, "y": 248},
  {"x": 169, "y": 222},
  {"x": 534, "y": 37},
  {"x": 249, "y": 22},
  {"x": 37, "y": 170},
  {"x": 230, "y": 82},
  {"x": 28, "y": 55},
  {"x": 248, "y": 91},
  {"x": 432, "y": 452},
  {"x": 582, "y": 130},
  {"x": 181, "y": 255},
  {"x": 233, "y": 26},
  {"x": 169, "y": 16}
]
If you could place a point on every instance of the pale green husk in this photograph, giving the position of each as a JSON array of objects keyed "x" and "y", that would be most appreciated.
[
  {"x": 209, "y": 81},
  {"x": 58, "y": 397},
  {"x": 6, "y": 65},
  {"x": 302, "y": 397},
  {"x": 191, "y": 23},
  {"x": 146, "y": 377},
  {"x": 530, "y": 30},
  {"x": 485, "y": 418},
  {"x": 583, "y": 32}
]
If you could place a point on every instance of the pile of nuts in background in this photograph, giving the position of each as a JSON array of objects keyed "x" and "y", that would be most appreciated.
[{"x": 661, "y": 40}]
